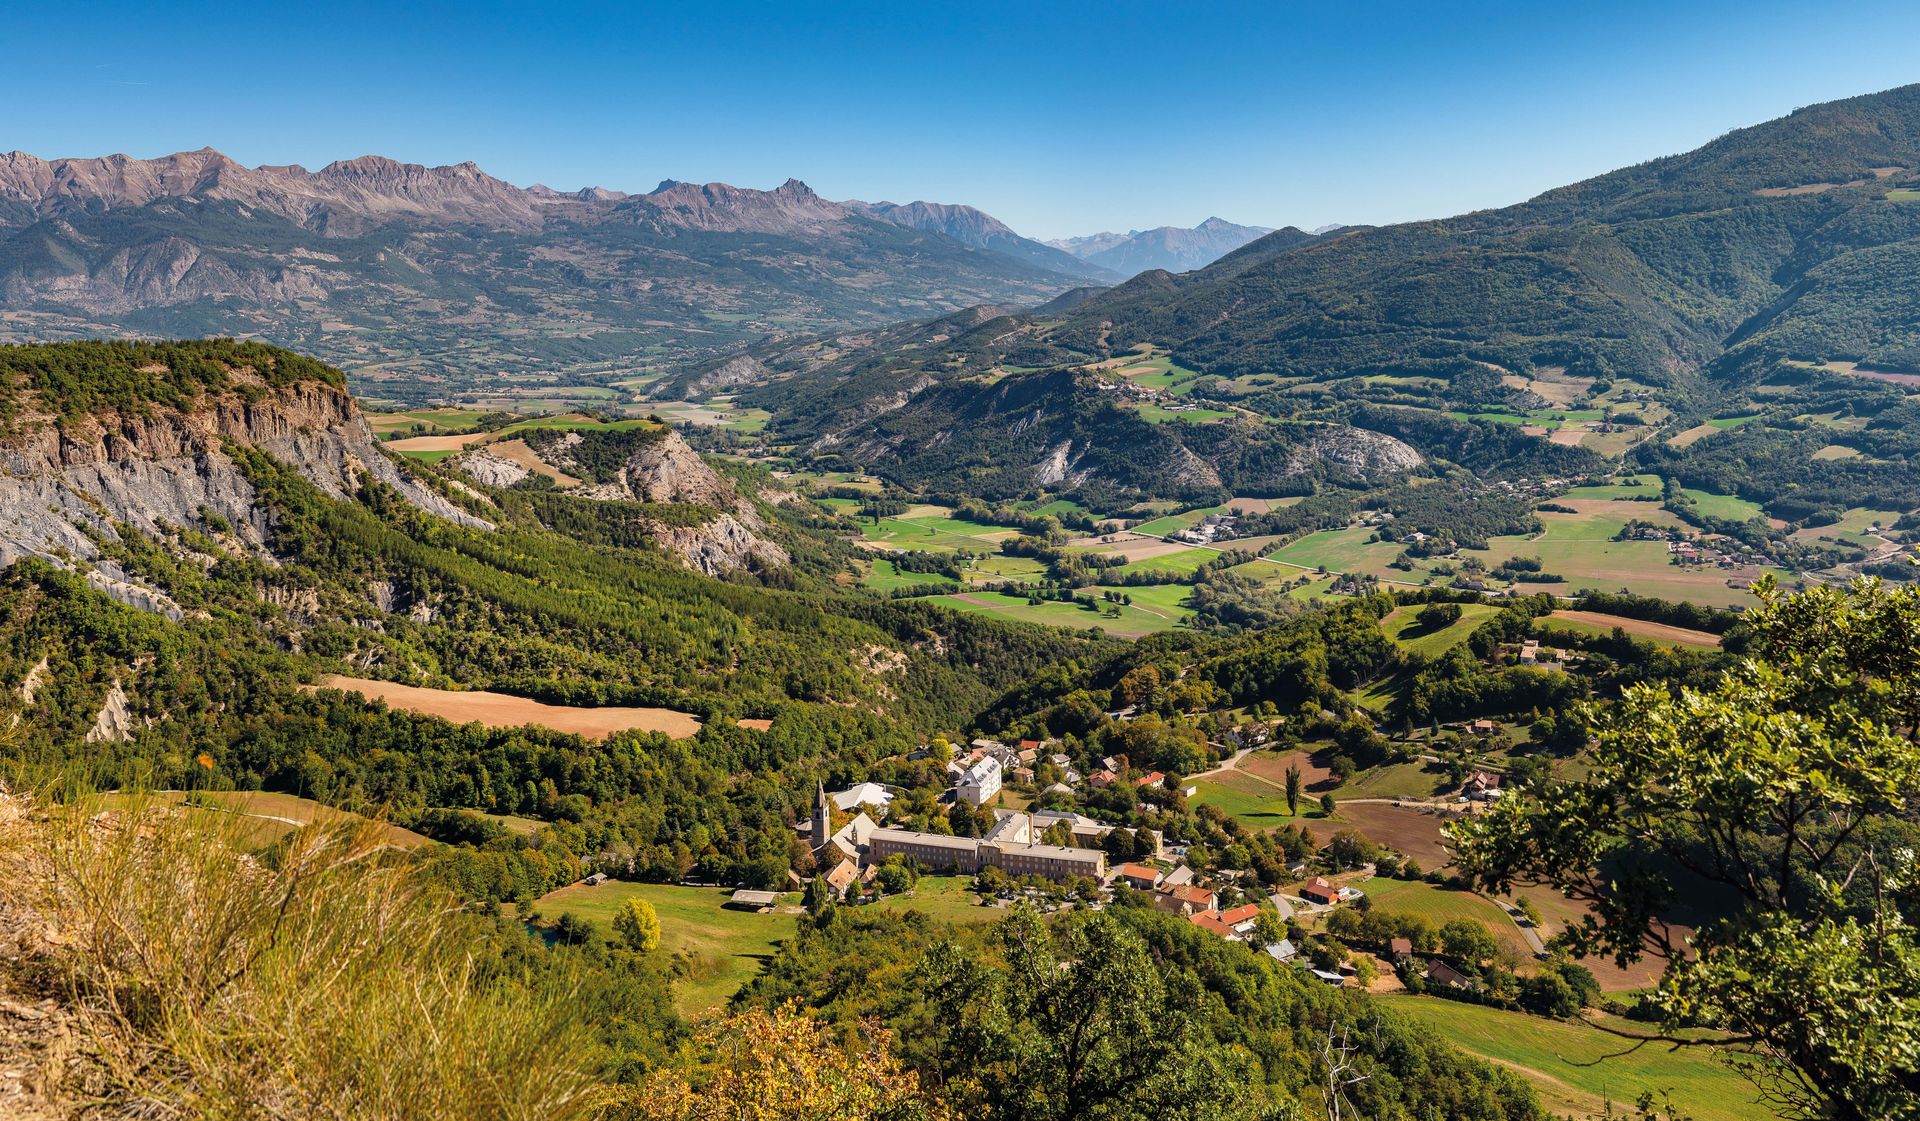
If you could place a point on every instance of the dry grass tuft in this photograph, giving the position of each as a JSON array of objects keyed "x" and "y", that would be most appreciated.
[{"x": 321, "y": 979}]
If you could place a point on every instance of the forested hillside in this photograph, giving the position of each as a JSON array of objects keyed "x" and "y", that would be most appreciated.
[{"x": 1762, "y": 276}]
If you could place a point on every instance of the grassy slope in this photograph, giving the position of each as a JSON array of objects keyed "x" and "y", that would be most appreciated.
[
  {"x": 1567, "y": 1066},
  {"x": 727, "y": 946}
]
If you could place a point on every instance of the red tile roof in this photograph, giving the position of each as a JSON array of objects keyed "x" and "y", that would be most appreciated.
[
  {"x": 1240, "y": 914},
  {"x": 1208, "y": 922}
]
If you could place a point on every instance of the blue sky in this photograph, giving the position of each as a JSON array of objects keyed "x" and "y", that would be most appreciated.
[{"x": 1059, "y": 119}]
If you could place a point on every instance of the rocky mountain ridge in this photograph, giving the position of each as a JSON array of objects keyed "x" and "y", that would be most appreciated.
[
  {"x": 1173, "y": 248},
  {"x": 422, "y": 279},
  {"x": 971, "y": 226}
]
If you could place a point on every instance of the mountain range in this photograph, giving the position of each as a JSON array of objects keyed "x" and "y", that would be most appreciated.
[
  {"x": 421, "y": 279},
  {"x": 1173, "y": 248},
  {"x": 1704, "y": 284}
]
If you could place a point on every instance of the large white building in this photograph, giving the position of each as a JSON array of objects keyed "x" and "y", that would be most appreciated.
[{"x": 980, "y": 782}]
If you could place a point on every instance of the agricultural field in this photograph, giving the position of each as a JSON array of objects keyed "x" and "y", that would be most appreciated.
[
  {"x": 502, "y": 710},
  {"x": 1339, "y": 550},
  {"x": 1182, "y": 561},
  {"x": 1577, "y": 1069},
  {"x": 1256, "y": 804},
  {"x": 1195, "y": 415},
  {"x": 933, "y": 528},
  {"x": 1723, "y": 505},
  {"x": 885, "y": 576},
  {"x": 1138, "y": 619},
  {"x": 1854, "y": 528},
  {"x": 1596, "y": 623},
  {"x": 1440, "y": 906},
  {"x": 424, "y": 421},
  {"x": 1396, "y": 780},
  {"x": 726, "y": 946},
  {"x": 1403, "y": 627},
  {"x": 1404, "y": 829},
  {"x": 1580, "y": 547}
]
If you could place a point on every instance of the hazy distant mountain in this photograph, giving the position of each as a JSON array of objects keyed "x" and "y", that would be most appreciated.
[
  {"x": 1167, "y": 247},
  {"x": 981, "y": 230},
  {"x": 416, "y": 275}
]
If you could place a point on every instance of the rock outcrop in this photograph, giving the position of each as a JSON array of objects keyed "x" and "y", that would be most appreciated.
[
  {"x": 663, "y": 469},
  {"x": 65, "y": 485},
  {"x": 1356, "y": 451}
]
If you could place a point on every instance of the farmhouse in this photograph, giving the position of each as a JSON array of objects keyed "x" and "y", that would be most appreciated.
[
  {"x": 1318, "y": 890},
  {"x": 1185, "y": 899},
  {"x": 1483, "y": 786}
]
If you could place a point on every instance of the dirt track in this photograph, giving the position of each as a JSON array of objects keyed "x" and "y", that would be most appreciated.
[{"x": 499, "y": 710}]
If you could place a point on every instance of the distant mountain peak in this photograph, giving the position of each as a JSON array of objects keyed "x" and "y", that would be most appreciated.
[
  {"x": 1172, "y": 248},
  {"x": 977, "y": 228}
]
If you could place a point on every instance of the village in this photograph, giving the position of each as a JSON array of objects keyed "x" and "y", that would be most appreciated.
[{"x": 1059, "y": 859}]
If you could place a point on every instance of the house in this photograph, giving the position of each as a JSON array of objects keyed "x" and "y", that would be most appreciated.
[
  {"x": 864, "y": 794},
  {"x": 1185, "y": 899},
  {"x": 1029, "y": 745},
  {"x": 1400, "y": 949},
  {"x": 1483, "y": 786},
  {"x": 1022, "y": 774},
  {"x": 1210, "y": 922},
  {"x": 1178, "y": 877},
  {"x": 1440, "y": 973},
  {"x": 1331, "y": 978},
  {"x": 981, "y": 782},
  {"x": 1103, "y": 779},
  {"x": 1153, "y": 778},
  {"x": 843, "y": 875},
  {"x": 1241, "y": 919},
  {"x": 1318, "y": 890},
  {"x": 1483, "y": 727},
  {"x": 1140, "y": 877},
  {"x": 1283, "y": 950},
  {"x": 595, "y": 880}
]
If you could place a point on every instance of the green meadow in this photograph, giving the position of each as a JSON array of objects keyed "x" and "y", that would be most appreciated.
[{"x": 1578, "y": 1069}]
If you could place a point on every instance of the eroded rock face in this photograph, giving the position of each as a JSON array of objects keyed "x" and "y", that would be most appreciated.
[
  {"x": 723, "y": 545},
  {"x": 664, "y": 470},
  {"x": 63, "y": 485},
  {"x": 1358, "y": 450}
]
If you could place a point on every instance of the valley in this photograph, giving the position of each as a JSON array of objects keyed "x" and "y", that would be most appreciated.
[{"x": 713, "y": 650}]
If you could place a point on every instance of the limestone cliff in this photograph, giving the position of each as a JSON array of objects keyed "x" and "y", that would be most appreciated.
[{"x": 68, "y": 482}]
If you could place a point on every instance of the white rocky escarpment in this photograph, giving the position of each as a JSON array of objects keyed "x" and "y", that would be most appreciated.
[
  {"x": 663, "y": 470},
  {"x": 1359, "y": 450},
  {"x": 65, "y": 485}
]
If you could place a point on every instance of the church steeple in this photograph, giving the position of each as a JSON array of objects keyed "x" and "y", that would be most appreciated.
[{"x": 822, "y": 817}]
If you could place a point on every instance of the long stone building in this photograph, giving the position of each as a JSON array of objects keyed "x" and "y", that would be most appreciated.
[{"x": 938, "y": 852}]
